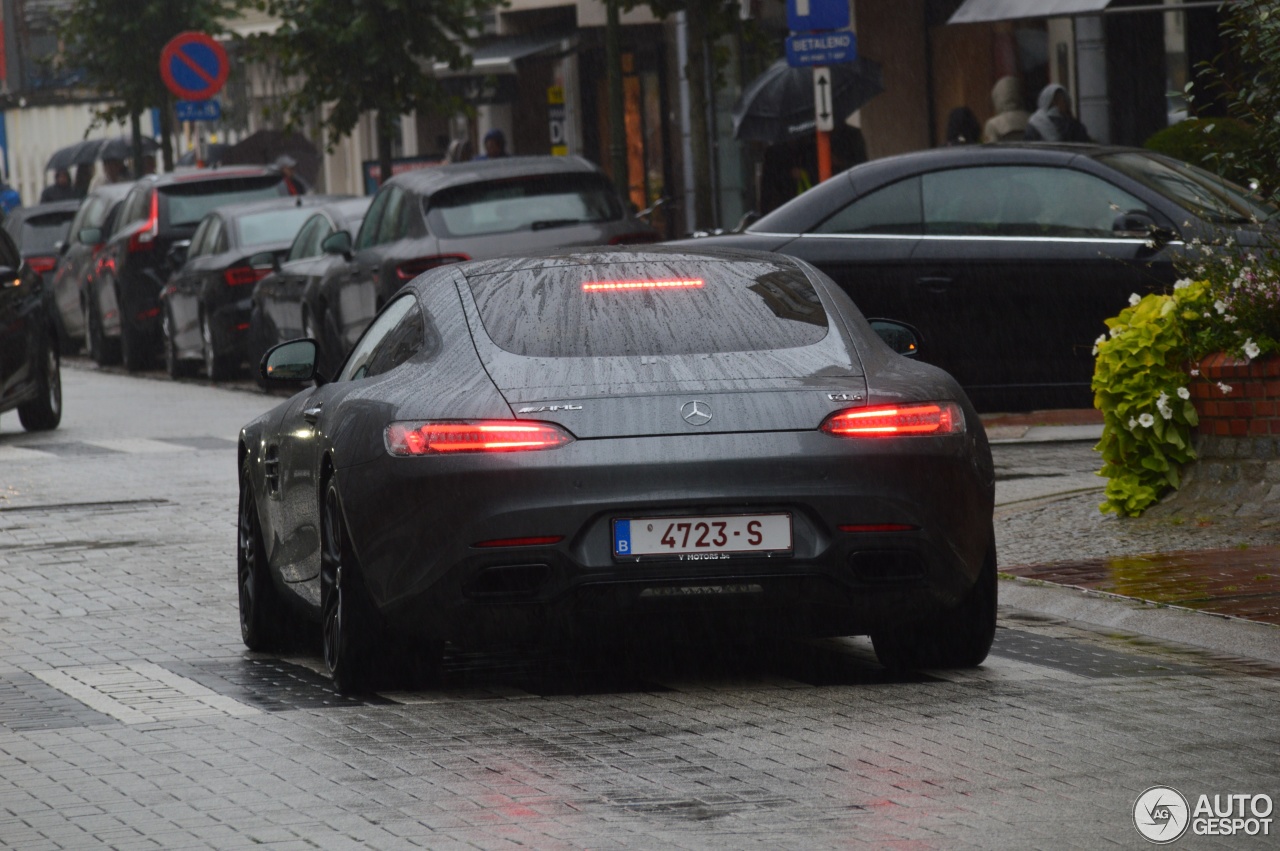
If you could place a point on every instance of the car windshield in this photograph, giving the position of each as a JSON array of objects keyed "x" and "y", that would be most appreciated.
[
  {"x": 687, "y": 305},
  {"x": 521, "y": 204},
  {"x": 271, "y": 225},
  {"x": 189, "y": 202},
  {"x": 41, "y": 234},
  {"x": 1208, "y": 195}
]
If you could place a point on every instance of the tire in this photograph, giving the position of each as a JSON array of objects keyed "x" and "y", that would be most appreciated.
[
  {"x": 216, "y": 366},
  {"x": 350, "y": 630},
  {"x": 45, "y": 411},
  {"x": 263, "y": 619},
  {"x": 957, "y": 638},
  {"x": 134, "y": 351},
  {"x": 103, "y": 351},
  {"x": 173, "y": 365}
]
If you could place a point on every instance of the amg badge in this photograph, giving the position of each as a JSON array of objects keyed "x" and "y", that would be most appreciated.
[{"x": 546, "y": 409}]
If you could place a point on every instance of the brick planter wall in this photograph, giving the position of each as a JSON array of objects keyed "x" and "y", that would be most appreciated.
[{"x": 1251, "y": 409}]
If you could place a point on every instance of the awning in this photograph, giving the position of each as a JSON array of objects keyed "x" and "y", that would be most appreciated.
[
  {"x": 499, "y": 55},
  {"x": 984, "y": 11}
]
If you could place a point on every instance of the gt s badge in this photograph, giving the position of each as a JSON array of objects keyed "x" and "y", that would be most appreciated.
[{"x": 544, "y": 409}]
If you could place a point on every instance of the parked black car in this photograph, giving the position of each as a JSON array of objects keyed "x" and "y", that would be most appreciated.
[
  {"x": 30, "y": 373},
  {"x": 583, "y": 441},
  {"x": 123, "y": 297},
  {"x": 1007, "y": 258},
  {"x": 482, "y": 209},
  {"x": 312, "y": 293},
  {"x": 78, "y": 258},
  {"x": 39, "y": 232},
  {"x": 205, "y": 305}
]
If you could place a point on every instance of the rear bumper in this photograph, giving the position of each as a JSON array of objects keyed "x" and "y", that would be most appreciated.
[{"x": 414, "y": 524}]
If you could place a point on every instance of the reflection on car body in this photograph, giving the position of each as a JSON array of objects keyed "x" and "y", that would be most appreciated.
[{"x": 576, "y": 441}]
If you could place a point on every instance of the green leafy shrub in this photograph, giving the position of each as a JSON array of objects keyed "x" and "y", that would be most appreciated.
[{"x": 1142, "y": 366}]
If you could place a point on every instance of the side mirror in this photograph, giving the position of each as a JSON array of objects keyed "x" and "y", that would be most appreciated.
[
  {"x": 90, "y": 236},
  {"x": 1139, "y": 224},
  {"x": 899, "y": 336},
  {"x": 290, "y": 362},
  {"x": 337, "y": 243},
  {"x": 178, "y": 253},
  {"x": 265, "y": 260}
]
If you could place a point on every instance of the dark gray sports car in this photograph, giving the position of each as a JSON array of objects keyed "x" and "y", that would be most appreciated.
[{"x": 581, "y": 440}]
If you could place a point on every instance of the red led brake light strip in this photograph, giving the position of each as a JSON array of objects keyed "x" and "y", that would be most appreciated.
[{"x": 596, "y": 286}]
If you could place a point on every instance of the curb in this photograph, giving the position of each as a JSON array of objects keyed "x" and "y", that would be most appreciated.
[{"x": 1223, "y": 634}]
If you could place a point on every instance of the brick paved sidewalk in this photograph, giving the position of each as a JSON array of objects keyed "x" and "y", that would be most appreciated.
[{"x": 1241, "y": 583}]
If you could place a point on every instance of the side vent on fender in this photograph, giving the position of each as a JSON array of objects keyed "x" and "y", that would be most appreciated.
[{"x": 271, "y": 467}]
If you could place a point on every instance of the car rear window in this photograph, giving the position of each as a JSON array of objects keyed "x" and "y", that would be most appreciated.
[
  {"x": 187, "y": 203},
  {"x": 521, "y": 204},
  {"x": 272, "y": 225},
  {"x": 681, "y": 307},
  {"x": 41, "y": 233}
]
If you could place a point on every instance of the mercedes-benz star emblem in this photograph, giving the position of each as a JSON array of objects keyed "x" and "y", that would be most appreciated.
[{"x": 696, "y": 413}]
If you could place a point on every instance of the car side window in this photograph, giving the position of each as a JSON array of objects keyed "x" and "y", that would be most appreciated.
[
  {"x": 390, "y": 227},
  {"x": 198, "y": 239},
  {"x": 892, "y": 209},
  {"x": 1023, "y": 201},
  {"x": 359, "y": 363},
  {"x": 369, "y": 228},
  {"x": 137, "y": 205},
  {"x": 307, "y": 243},
  {"x": 216, "y": 239}
]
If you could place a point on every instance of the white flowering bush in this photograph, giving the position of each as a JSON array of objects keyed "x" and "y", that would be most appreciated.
[{"x": 1142, "y": 367}]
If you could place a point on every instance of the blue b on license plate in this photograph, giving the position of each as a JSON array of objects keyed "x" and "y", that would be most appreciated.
[{"x": 723, "y": 534}]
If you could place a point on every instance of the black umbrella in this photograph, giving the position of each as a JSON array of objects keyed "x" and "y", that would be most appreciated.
[
  {"x": 80, "y": 153},
  {"x": 121, "y": 148},
  {"x": 778, "y": 105},
  {"x": 266, "y": 146}
]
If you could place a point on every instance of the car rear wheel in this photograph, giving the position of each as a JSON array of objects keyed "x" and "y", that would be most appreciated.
[
  {"x": 263, "y": 619},
  {"x": 44, "y": 412},
  {"x": 216, "y": 367},
  {"x": 174, "y": 365},
  {"x": 958, "y": 638},
  {"x": 351, "y": 633},
  {"x": 103, "y": 351}
]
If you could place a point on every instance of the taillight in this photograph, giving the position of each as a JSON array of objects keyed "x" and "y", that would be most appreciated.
[
  {"x": 929, "y": 418},
  {"x": 445, "y": 436},
  {"x": 144, "y": 238},
  {"x": 238, "y": 276},
  {"x": 411, "y": 269},
  {"x": 531, "y": 541},
  {"x": 637, "y": 238},
  {"x": 40, "y": 265}
]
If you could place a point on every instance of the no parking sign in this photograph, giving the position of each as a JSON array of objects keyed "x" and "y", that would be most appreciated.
[{"x": 194, "y": 66}]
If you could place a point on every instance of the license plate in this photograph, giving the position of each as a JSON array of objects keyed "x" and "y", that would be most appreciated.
[{"x": 723, "y": 535}]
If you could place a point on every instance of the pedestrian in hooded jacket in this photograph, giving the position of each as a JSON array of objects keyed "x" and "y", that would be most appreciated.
[
  {"x": 1010, "y": 121},
  {"x": 1053, "y": 121}
]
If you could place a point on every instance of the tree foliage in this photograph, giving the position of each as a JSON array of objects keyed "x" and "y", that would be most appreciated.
[
  {"x": 117, "y": 44},
  {"x": 348, "y": 57},
  {"x": 1247, "y": 79}
]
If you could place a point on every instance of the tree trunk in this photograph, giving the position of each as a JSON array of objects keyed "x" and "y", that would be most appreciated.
[
  {"x": 166, "y": 133},
  {"x": 386, "y": 126},
  {"x": 698, "y": 128}
]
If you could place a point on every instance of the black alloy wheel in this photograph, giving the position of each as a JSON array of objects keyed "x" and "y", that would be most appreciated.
[
  {"x": 959, "y": 637},
  {"x": 349, "y": 625},
  {"x": 175, "y": 366},
  {"x": 104, "y": 352},
  {"x": 216, "y": 366},
  {"x": 44, "y": 412},
  {"x": 263, "y": 621}
]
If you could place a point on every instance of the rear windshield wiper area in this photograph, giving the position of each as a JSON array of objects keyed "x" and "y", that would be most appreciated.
[{"x": 556, "y": 223}]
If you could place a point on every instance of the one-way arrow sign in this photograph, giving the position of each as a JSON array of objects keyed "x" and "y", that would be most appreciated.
[{"x": 822, "y": 110}]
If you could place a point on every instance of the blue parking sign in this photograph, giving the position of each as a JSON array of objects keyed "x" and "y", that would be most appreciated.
[{"x": 809, "y": 15}]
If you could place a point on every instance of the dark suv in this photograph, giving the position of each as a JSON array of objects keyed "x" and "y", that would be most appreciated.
[{"x": 122, "y": 302}]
